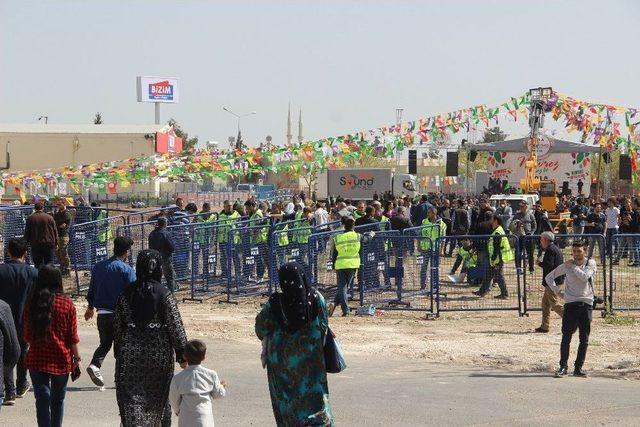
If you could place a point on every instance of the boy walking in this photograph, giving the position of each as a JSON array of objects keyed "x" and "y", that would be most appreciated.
[{"x": 193, "y": 389}]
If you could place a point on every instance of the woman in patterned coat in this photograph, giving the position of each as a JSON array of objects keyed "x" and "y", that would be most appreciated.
[
  {"x": 292, "y": 326},
  {"x": 148, "y": 339}
]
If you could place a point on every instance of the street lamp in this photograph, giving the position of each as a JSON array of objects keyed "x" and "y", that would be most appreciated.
[{"x": 238, "y": 116}]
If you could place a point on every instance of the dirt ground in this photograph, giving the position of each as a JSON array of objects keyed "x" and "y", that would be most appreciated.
[{"x": 493, "y": 340}]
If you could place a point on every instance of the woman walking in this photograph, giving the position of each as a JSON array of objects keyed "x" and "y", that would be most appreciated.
[
  {"x": 148, "y": 333},
  {"x": 292, "y": 327},
  {"x": 51, "y": 331}
]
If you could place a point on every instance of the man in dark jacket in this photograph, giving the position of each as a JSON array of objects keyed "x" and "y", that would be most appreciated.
[
  {"x": 42, "y": 234},
  {"x": 16, "y": 280},
  {"x": 161, "y": 241},
  {"x": 367, "y": 218},
  {"x": 550, "y": 261},
  {"x": 109, "y": 278},
  {"x": 9, "y": 348},
  {"x": 400, "y": 221}
]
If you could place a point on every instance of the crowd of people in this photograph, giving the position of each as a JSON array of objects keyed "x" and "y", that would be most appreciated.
[{"x": 138, "y": 315}]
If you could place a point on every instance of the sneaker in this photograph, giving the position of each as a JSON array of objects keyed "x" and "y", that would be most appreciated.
[
  {"x": 22, "y": 391},
  {"x": 479, "y": 294},
  {"x": 95, "y": 375},
  {"x": 541, "y": 330},
  {"x": 562, "y": 372},
  {"x": 501, "y": 296},
  {"x": 579, "y": 373},
  {"x": 9, "y": 401}
]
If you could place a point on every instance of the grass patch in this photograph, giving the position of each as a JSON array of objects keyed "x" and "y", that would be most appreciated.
[{"x": 620, "y": 321}]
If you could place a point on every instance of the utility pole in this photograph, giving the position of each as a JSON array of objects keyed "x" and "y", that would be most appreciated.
[{"x": 399, "y": 112}]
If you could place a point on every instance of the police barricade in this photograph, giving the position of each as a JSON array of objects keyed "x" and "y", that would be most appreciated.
[
  {"x": 479, "y": 272},
  {"x": 320, "y": 265},
  {"x": 251, "y": 258},
  {"x": 288, "y": 245},
  {"x": 12, "y": 223},
  {"x": 432, "y": 231},
  {"x": 139, "y": 234},
  {"x": 181, "y": 236},
  {"x": 624, "y": 272},
  {"x": 531, "y": 252},
  {"x": 89, "y": 243}
]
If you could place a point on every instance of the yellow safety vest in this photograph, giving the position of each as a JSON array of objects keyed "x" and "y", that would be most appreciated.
[
  {"x": 431, "y": 232},
  {"x": 104, "y": 234},
  {"x": 506, "y": 254},
  {"x": 201, "y": 230},
  {"x": 226, "y": 225},
  {"x": 262, "y": 234},
  {"x": 283, "y": 236},
  {"x": 348, "y": 247},
  {"x": 468, "y": 259}
]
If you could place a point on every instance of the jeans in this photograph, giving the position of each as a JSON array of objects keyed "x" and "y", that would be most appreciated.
[
  {"x": 42, "y": 255},
  {"x": 105, "y": 331},
  {"x": 10, "y": 383},
  {"x": 345, "y": 279},
  {"x": 577, "y": 315},
  {"x": 49, "y": 391},
  {"x": 592, "y": 245},
  {"x": 168, "y": 272},
  {"x": 626, "y": 245},
  {"x": 234, "y": 260},
  {"x": 610, "y": 246},
  {"x": 424, "y": 268}
]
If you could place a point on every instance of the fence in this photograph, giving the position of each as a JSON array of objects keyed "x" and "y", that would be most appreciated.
[
  {"x": 624, "y": 272},
  {"x": 531, "y": 252},
  {"x": 89, "y": 243}
]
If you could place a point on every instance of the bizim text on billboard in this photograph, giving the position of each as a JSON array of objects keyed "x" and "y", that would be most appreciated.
[{"x": 161, "y": 90}]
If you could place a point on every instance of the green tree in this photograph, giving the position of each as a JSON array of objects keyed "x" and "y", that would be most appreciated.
[
  {"x": 97, "y": 120},
  {"x": 492, "y": 135},
  {"x": 188, "y": 144}
]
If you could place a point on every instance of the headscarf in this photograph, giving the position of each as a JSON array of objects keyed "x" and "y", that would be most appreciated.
[
  {"x": 147, "y": 291},
  {"x": 297, "y": 303},
  {"x": 289, "y": 209}
]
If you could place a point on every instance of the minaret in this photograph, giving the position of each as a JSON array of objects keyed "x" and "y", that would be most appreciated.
[
  {"x": 300, "y": 138},
  {"x": 289, "y": 134}
]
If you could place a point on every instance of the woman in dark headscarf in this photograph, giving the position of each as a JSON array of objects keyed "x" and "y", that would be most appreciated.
[
  {"x": 148, "y": 333},
  {"x": 292, "y": 327}
]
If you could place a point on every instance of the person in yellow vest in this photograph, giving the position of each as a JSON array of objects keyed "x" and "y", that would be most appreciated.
[
  {"x": 302, "y": 231},
  {"x": 257, "y": 248},
  {"x": 202, "y": 239},
  {"x": 346, "y": 262},
  {"x": 360, "y": 210},
  {"x": 466, "y": 257},
  {"x": 500, "y": 253},
  {"x": 228, "y": 253},
  {"x": 433, "y": 227}
]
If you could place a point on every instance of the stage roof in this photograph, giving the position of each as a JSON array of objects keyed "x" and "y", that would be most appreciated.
[{"x": 519, "y": 146}]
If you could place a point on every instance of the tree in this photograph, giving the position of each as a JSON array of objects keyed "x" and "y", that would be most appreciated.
[
  {"x": 492, "y": 135},
  {"x": 97, "y": 120},
  {"x": 188, "y": 144}
]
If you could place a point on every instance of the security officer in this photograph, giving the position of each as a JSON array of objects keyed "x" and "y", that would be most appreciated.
[
  {"x": 346, "y": 261},
  {"x": 259, "y": 237},
  {"x": 500, "y": 252},
  {"x": 432, "y": 228},
  {"x": 302, "y": 231},
  {"x": 226, "y": 221}
]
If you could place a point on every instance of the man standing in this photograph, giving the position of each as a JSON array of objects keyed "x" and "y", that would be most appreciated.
[
  {"x": 612, "y": 214},
  {"x": 161, "y": 241},
  {"x": 499, "y": 250},
  {"x": 579, "y": 215},
  {"x": 258, "y": 238},
  {"x": 578, "y": 305},
  {"x": 42, "y": 234},
  {"x": 63, "y": 220},
  {"x": 524, "y": 224},
  {"x": 346, "y": 261},
  {"x": 505, "y": 212},
  {"x": 432, "y": 228},
  {"x": 108, "y": 279},
  {"x": 16, "y": 281},
  {"x": 367, "y": 218},
  {"x": 229, "y": 254},
  {"x": 551, "y": 260},
  {"x": 9, "y": 348}
]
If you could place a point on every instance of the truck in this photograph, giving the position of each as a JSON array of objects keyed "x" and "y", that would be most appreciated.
[{"x": 362, "y": 184}]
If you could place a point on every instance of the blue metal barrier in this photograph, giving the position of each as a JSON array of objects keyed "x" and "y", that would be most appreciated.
[{"x": 624, "y": 272}]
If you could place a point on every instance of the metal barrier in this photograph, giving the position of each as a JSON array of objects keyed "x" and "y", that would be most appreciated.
[
  {"x": 288, "y": 244},
  {"x": 624, "y": 272},
  {"x": 89, "y": 243},
  {"x": 451, "y": 293},
  {"x": 13, "y": 220},
  {"x": 531, "y": 252}
]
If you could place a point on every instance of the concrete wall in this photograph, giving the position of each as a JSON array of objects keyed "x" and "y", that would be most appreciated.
[{"x": 36, "y": 151}]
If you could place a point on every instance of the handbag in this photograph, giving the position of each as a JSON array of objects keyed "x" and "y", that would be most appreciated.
[{"x": 333, "y": 357}]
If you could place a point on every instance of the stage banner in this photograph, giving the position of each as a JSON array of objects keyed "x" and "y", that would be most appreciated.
[{"x": 572, "y": 168}]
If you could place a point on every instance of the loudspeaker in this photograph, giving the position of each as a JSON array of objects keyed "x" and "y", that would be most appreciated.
[
  {"x": 625, "y": 167},
  {"x": 606, "y": 157},
  {"x": 472, "y": 155},
  {"x": 452, "y": 164},
  {"x": 413, "y": 162}
]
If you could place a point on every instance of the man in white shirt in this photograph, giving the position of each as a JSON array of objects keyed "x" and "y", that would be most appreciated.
[
  {"x": 578, "y": 304},
  {"x": 612, "y": 214},
  {"x": 321, "y": 215}
]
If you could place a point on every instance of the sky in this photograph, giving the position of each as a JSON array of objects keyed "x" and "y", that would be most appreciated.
[{"x": 348, "y": 64}]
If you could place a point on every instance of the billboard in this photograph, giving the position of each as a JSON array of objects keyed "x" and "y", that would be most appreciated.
[
  {"x": 168, "y": 142},
  {"x": 358, "y": 184},
  {"x": 157, "y": 89}
]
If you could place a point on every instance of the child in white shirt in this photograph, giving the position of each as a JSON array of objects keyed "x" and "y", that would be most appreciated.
[{"x": 192, "y": 390}]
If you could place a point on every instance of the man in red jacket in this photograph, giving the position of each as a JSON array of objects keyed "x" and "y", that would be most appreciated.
[{"x": 42, "y": 234}]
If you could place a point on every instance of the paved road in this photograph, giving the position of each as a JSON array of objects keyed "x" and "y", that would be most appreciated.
[{"x": 377, "y": 391}]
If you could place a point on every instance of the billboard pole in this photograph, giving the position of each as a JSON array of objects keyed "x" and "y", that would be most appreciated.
[{"x": 157, "y": 104}]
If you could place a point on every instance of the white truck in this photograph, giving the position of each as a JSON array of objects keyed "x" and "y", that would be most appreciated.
[{"x": 362, "y": 184}]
